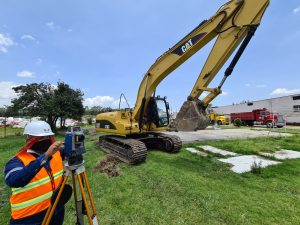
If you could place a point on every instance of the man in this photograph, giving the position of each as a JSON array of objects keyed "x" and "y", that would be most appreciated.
[{"x": 34, "y": 174}]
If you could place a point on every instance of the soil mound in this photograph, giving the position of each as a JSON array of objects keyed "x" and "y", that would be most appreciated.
[{"x": 108, "y": 165}]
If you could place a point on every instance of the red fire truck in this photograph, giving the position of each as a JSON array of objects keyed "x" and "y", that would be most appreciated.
[{"x": 259, "y": 117}]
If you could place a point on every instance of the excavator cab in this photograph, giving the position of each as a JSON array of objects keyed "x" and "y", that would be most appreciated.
[{"x": 158, "y": 112}]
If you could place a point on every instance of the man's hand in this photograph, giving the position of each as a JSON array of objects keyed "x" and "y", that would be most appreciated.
[{"x": 52, "y": 149}]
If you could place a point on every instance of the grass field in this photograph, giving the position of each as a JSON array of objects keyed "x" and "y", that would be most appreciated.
[
  {"x": 288, "y": 130},
  {"x": 10, "y": 132},
  {"x": 185, "y": 188}
]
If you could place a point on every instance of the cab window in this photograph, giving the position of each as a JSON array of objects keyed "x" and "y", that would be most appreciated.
[{"x": 162, "y": 113}]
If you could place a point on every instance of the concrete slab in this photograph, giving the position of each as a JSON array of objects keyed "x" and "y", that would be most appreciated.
[
  {"x": 203, "y": 135},
  {"x": 192, "y": 150},
  {"x": 242, "y": 164},
  {"x": 282, "y": 154},
  {"x": 195, "y": 151},
  {"x": 217, "y": 150}
]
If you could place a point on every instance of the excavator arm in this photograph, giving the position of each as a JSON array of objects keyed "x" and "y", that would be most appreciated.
[
  {"x": 133, "y": 132},
  {"x": 235, "y": 22}
]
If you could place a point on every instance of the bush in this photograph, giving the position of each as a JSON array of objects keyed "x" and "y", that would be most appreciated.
[
  {"x": 90, "y": 120},
  {"x": 237, "y": 122},
  {"x": 86, "y": 132}
]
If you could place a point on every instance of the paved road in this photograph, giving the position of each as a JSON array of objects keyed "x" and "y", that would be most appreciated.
[{"x": 219, "y": 134}]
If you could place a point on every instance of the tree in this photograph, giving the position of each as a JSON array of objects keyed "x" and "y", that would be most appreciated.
[
  {"x": 2, "y": 112},
  {"x": 68, "y": 103},
  {"x": 98, "y": 109},
  {"x": 48, "y": 101}
]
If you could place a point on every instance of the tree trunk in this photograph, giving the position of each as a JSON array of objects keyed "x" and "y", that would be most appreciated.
[
  {"x": 53, "y": 123},
  {"x": 55, "y": 120},
  {"x": 50, "y": 121},
  {"x": 64, "y": 123}
]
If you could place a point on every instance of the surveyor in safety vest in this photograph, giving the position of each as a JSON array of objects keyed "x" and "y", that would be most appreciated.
[{"x": 34, "y": 174}]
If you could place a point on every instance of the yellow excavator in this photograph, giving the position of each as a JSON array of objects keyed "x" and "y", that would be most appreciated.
[{"x": 133, "y": 131}]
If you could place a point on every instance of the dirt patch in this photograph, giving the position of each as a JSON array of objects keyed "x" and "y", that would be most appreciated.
[{"x": 108, "y": 165}]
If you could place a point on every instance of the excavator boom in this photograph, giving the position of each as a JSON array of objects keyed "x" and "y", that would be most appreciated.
[{"x": 234, "y": 22}]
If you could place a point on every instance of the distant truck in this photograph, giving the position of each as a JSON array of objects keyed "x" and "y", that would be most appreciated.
[
  {"x": 218, "y": 119},
  {"x": 259, "y": 117}
]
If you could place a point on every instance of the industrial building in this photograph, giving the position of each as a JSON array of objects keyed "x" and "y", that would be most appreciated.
[{"x": 288, "y": 106}]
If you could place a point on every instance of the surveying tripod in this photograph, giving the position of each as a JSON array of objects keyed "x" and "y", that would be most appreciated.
[{"x": 77, "y": 172}]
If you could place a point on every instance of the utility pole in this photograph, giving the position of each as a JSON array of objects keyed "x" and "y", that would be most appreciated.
[{"x": 5, "y": 120}]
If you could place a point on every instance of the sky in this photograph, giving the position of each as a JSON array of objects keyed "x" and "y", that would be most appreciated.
[{"x": 105, "y": 47}]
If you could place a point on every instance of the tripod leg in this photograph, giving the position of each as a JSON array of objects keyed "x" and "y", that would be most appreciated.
[
  {"x": 84, "y": 199},
  {"x": 51, "y": 208},
  {"x": 74, "y": 187},
  {"x": 78, "y": 204},
  {"x": 90, "y": 193}
]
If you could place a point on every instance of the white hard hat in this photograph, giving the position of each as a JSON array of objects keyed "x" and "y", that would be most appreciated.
[{"x": 38, "y": 128}]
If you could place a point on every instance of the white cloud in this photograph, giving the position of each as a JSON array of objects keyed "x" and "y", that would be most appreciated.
[
  {"x": 52, "y": 26},
  {"x": 296, "y": 10},
  {"x": 224, "y": 93},
  {"x": 104, "y": 101},
  {"x": 28, "y": 37},
  {"x": 54, "y": 86},
  {"x": 25, "y": 74},
  {"x": 5, "y": 42},
  {"x": 115, "y": 104},
  {"x": 247, "y": 85},
  {"x": 284, "y": 91},
  {"x": 6, "y": 92},
  {"x": 203, "y": 95}
]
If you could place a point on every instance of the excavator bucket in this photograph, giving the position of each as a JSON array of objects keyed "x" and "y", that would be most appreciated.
[{"x": 191, "y": 117}]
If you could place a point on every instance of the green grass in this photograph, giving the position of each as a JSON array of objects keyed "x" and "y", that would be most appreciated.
[
  {"x": 10, "y": 131},
  {"x": 188, "y": 189},
  {"x": 263, "y": 128},
  {"x": 279, "y": 130},
  {"x": 254, "y": 146}
]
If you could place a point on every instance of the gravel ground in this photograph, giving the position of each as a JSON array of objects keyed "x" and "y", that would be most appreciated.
[{"x": 219, "y": 134}]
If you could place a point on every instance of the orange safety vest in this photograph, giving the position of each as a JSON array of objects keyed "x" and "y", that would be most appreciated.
[{"x": 35, "y": 196}]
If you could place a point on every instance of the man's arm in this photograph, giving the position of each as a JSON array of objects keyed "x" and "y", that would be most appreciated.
[{"x": 18, "y": 175}]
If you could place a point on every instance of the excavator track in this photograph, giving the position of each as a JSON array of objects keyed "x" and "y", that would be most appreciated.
[
  {"x": 175, "y": 142},
  {"x": 130, "y": 151},
  {"x": 159, "y": 141}
]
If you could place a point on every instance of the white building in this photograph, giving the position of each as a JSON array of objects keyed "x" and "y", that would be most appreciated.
[{"x": 288, "y": 106}]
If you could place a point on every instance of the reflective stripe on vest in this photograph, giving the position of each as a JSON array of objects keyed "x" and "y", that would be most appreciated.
[
  {"x": 35, "y": 196},
  {"x": 32, "y": 201},
  {"x": 36, "y": 183}
]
